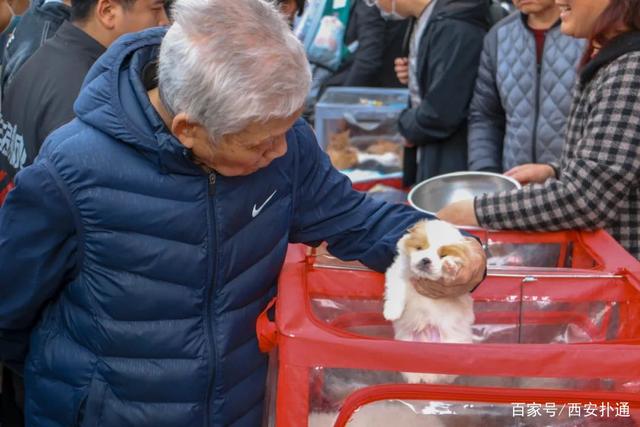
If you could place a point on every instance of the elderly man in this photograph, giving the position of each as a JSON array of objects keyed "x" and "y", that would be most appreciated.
[{"x": 139, "y": 248}]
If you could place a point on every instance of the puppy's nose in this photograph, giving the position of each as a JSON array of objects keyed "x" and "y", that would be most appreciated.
[{"x": 424, "y": 264}]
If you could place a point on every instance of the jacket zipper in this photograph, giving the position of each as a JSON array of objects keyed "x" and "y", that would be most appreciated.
[
  {"x": 534, "y": 154},
  {"x": 211, "y": 192}
]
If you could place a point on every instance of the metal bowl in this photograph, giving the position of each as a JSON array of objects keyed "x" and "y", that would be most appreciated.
[{"x": 435, "y": 193}]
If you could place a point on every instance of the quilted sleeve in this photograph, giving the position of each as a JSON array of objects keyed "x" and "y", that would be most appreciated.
[
  {"x": 602, "y": 168},
  {"x": 37, "y": 252},
  {"x": 486, "y": 115}
]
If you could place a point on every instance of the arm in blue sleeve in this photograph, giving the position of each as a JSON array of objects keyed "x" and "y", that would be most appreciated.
[
  {"x": 38, "y": 248},
  {"x": 326, "y": 208}
]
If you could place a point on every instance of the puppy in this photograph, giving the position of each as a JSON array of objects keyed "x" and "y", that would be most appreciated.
[
  {"x": 340, "y": 152},
  {"x": 343, "y": 159},
  {"x": 430, "y": 250}
]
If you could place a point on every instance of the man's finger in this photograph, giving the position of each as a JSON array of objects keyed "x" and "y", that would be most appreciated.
[{"x": 433, "y": 294}]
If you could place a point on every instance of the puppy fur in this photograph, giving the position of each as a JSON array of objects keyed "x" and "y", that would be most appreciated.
[{"x": 430, "y": 250}]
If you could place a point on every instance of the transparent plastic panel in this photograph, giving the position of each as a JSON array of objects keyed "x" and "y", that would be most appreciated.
[
  {"x": 557, "y": 255},
  {"x": 365, "y": 97},
  {"x": 269, "y": 415},
  {"x": 358, "y": 129},
  {"x": 362, "y": 153},
  {"x": 529, "y": 255},
  {"x": 501, "y": 322},
  {"x": 330, "y": 387},
  {"x": 413, "y": 413}
]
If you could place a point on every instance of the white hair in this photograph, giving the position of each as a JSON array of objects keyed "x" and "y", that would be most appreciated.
[{"x": 230, "y": 63}]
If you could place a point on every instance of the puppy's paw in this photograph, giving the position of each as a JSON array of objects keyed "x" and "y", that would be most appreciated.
[
  {"x": 392, "y": 311},
  {"x": 451, "y": 266}
]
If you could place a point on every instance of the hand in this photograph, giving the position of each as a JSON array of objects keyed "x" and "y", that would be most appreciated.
[
  {"x": 531, "y": 173},
  {"x": 459, "y": 213},
  {"x": 468, "y": 275},
  {"x": 402, "y": 70}
]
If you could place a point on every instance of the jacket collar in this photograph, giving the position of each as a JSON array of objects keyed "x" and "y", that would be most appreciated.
[
  {"x": 72, "y": 37},
  {"x": 624, "y": 43},
  {"x": 114, "y": 100}
]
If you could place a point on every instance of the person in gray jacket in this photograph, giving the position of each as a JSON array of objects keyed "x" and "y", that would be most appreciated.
[{"x": 523, "y": 92}]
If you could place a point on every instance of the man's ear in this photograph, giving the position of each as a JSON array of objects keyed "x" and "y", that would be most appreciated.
[
  {"x": 184, "y": 130},
  {"x": 107, "y": 12}
]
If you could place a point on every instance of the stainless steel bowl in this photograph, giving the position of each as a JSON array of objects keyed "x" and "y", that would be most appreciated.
[{"x": 435, "y": 193}]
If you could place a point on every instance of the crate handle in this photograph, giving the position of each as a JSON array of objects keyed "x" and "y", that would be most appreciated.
[
  {"x": 266, "y": 330},
  {"x": 366, "y": 125}
]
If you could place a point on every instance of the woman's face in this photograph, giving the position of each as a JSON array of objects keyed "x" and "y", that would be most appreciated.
[{"x": 579, "y": 16}]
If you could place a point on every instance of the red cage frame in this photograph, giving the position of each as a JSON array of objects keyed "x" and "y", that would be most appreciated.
[{"x": 305, "y": 342}]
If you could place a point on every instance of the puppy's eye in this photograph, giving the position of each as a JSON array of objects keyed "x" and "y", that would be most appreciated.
[{"x": 419, "y": 248}]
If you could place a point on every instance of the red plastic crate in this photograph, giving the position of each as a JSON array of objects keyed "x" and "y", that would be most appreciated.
[{"x": 566, "y": 331}]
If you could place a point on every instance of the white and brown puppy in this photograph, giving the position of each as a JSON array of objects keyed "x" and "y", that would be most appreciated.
[{"x": 430, "y": 250}]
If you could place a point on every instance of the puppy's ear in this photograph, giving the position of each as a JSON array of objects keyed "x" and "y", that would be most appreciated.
[
  {"x": 456, "y": 250},
  {"x": 414, "y": 228},
  {"x": 416, "y": 238}
]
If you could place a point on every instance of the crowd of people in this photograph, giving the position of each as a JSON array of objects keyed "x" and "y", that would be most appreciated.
[{"x": 154, "y": 168}]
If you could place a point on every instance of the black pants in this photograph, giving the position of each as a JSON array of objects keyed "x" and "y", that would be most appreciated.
[{"x": 12, "y": 400}]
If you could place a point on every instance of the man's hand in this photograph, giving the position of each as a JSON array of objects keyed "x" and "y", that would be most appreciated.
[
  {"x": 468, "y": 276},
  {"x": 402, "y": 70},
  {"x": 459, "y": 213},
  {"x": 531, "y": 173}
]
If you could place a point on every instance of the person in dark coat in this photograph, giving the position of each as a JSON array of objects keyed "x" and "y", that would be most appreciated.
[
  {"x": 38, "y": 102},
  {"x": 138, "y": 250},
  {"x": 444, "y": 53},
  {"x": 379, "y": 42},
  {"x": 37, "y": 25},
  {"x": 595, "y": 184}
]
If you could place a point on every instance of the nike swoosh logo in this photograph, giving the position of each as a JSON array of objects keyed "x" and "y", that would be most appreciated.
[{"x": 256, "y": 211}]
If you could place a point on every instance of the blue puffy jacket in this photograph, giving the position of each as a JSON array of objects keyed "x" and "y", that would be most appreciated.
[{"x": 138, "y": 277}]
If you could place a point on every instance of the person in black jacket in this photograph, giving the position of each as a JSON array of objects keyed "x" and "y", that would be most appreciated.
[
  {"x": 38, "y": 102},
  {"x": 445, "y": 47},
  {"x": 379, "y": 43},
  {"x": 38, "y": 25}
]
